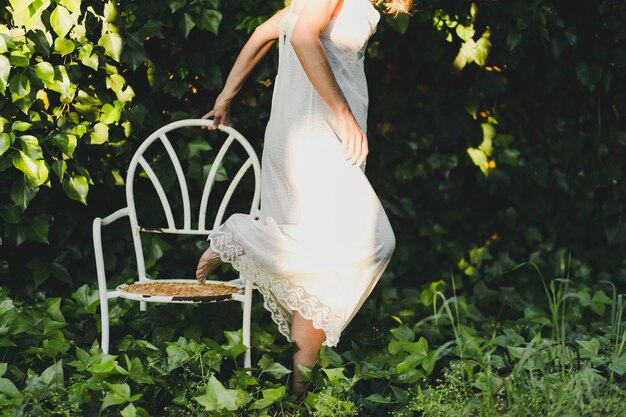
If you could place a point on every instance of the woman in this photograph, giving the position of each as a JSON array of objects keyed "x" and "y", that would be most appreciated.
[{"x": 323, "y": 239}]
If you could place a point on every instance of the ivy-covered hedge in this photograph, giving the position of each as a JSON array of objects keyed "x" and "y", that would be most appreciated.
[
  {"x": 69, "y": 72},
  {"x": 496, "y": 128},
  {"x": 486, "y": 165}
]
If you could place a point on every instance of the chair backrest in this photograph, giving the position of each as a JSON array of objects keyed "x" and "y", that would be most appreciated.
[{"x": 138, "y": 160}]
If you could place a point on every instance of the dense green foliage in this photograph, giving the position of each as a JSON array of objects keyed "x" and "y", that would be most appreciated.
[
  {"x": 418, "y": 353},
  {"x": 497, "y": 136}
]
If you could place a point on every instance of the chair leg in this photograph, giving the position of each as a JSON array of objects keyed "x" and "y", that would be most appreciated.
[
  {"x": 143, "y": 306},
  {"x": 104, "y": 317},
  {"x": 247, "y": 310}
]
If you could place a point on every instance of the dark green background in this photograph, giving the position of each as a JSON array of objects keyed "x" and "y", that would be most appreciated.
[{"x": 550, "y": 82}]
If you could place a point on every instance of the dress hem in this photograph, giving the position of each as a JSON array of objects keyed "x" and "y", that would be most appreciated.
[{"x": 279, "y": 293}]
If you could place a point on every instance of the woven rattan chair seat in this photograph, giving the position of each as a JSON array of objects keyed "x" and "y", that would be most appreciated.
[{"x": 179, "y": 290}]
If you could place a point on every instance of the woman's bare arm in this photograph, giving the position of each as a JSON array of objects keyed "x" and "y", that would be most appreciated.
[
  {"x": 255, "y": 48},
  {"x": 305, "y": 39}
]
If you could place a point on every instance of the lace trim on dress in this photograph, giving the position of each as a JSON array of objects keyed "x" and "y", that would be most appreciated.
[{"x": 280, "y": 294}]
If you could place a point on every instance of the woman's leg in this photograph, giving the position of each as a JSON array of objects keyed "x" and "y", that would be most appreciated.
[{"x": 309, "y": 341}]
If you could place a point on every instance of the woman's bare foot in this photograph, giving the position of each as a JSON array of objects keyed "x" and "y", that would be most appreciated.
[
  {"x": 207, "y": 263},
  {"x": 300, "y": 388}
]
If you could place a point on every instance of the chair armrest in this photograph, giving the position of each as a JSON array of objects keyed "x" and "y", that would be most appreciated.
[
  {"x": 115, "y": 216},
  {"x": 97, "y": 245}
]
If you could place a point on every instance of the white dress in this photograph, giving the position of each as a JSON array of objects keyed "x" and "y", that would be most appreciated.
[{"x": 323, "y": 238}]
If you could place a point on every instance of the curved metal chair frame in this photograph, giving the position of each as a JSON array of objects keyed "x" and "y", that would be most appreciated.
[{"x": 138, "y": 160}]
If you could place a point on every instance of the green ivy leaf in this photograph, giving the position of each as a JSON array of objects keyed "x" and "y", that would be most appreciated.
[
  {"x": 479, "y": 158},
  {"x": 305, "y": 373},
  {"x": 126, "y": 95},
  {"x": 112, "y": 44},
  {"x": 483, "y": 46},
  {"x": 599, "y": 302},
  {"x": 186, "y": 23},
  {"x": 209, "y": 20},
  {"x": 411, "y": 361},
  {"x": 134, "y": 41},
  {"x": 87, "y": 105},
  {"x": 20, "y": 57},
  {"x": 270, "y": 396},
  {"x": 116, "y": 83},
  {"x": 7, "y": 41},
  {"x": 176, "y": 356},
  {"x": 176, "y": 4},
  {"x": 63, "y": 46},
  {"x": 135, "y": 58},
  {"x": 61, "y": 84},
  {"x": 35, "y": 170},
  {"x": 8, "y": 388},
  {"x": 30, "y": 145},
  {"x": 100, "y": 134},
  {"x": 72, "y": 5},
  {"x": 22, "y": 193},
  {"x": 59, "y": 167},
  {"x": 136, "y": 371},
  {"x": 76, "y": 187},
  {"x": 589, "y": 348},
  {"x": 409, "y": 377},
  {"x": 6, "y": 139},
  {"x": 589, "y": 75},
  {"x": 38, "y": 227},
  {"x": 44, "y": 71},
  {"x": 129, "y": 411},
  {"x": 110, "y": 114},
  {"x": 379, "y": 399},
  {"x": 109, "y": 13},
  {"x": 267, "y": 365},
  {"x": 429, "y": 361},
  {"x": 465, "y": 32},
  {"x": 334, "y": 374},
  {"x": 88, "y": 301},
  {"x": 234, "y": 346},
  {"x": 198, "y": 145},
  {"x": 19, "y": 86},
  {"x": 11, "y": 214},
  {"x": 400, "y": 23},
  {"x": 87, "y": 57},
  {"x": 118, "y": 394},
  {"x": 127, "y": 128},
  {"x": 152, "y": 28},
  {"x": 61, "y": 21},
  {"x": 60, "y": 272},
  {"x": 5, "y": 71},
  {"x": 53, "y": 308},
  {"x": 217, "y": 398},
  {"x": 41, "y": 271},
  {"x": 403, "y": 334},
  {"x": 3, "y": 43},
  {"x": 39, "y": 41},
  {"x": 66, "y": 143},
  {"x": 19, "y": 126}
]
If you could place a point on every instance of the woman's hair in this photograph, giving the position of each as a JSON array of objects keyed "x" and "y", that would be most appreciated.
[{"x": 396, "y": 6}]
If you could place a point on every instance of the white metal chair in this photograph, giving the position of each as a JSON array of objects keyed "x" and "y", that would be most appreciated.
[{"x": 245, "y": 294}]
